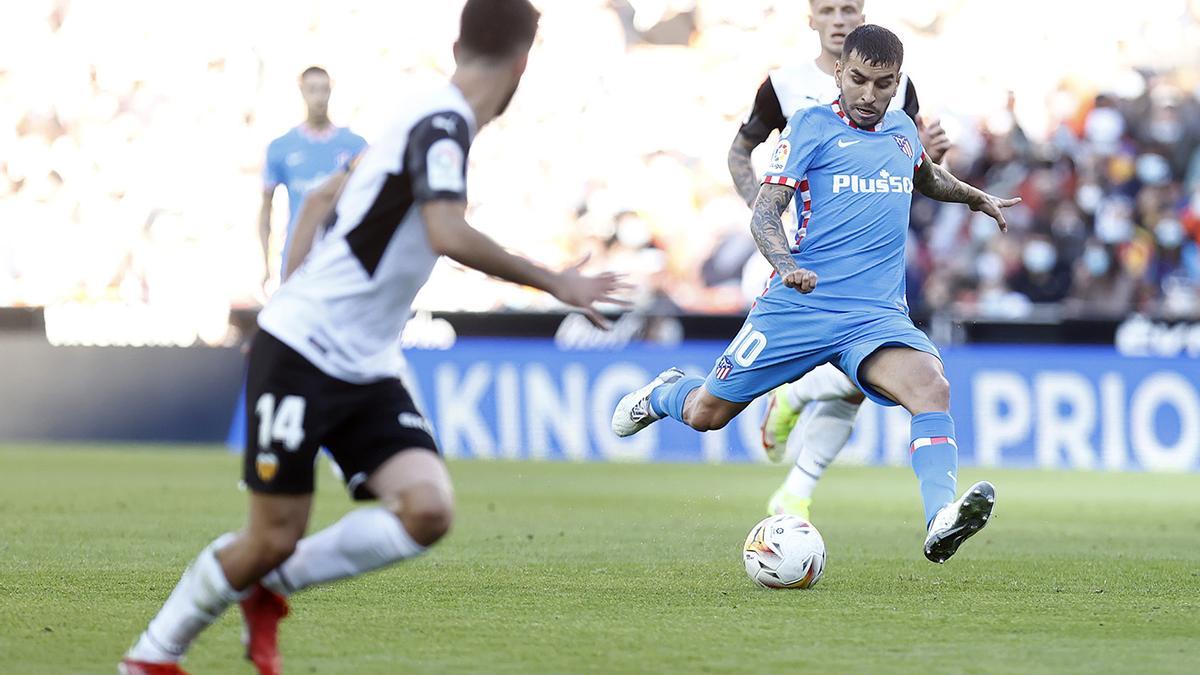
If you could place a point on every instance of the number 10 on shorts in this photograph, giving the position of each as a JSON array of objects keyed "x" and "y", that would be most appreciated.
[
  {"x": 284, "y": 424},
  {"x": 748, "y": 344}
]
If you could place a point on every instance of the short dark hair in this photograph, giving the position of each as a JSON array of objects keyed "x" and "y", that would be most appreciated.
[
  {"x": 875, "y": 45},
  {"x": 497, "y": 28},
  {"x": 313, "y": 70}
]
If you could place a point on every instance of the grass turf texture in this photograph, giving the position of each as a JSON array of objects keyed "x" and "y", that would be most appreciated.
[{"x": 619, "y": 568}]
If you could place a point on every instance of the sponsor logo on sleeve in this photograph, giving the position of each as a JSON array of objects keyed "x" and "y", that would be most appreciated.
[{"x": 445, "y": 123}]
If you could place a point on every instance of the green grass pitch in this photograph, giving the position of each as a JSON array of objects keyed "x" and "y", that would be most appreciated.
[{"x": 620, "y": 568}]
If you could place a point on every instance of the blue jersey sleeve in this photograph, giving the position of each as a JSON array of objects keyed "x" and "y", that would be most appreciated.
[
  {"x": 354, "y": 145},
  {"x": 796, "y": 150},
  {"x": 355, "y": 142},
  {"x": 274, "y": 171}
]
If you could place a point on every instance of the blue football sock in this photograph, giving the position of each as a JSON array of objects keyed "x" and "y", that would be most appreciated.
[
  {"x": 666, "y": 400},
  {"x": 934, "y": 460}
]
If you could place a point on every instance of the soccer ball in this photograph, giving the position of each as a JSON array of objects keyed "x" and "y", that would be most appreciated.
[{"x": 784, "y": 552}]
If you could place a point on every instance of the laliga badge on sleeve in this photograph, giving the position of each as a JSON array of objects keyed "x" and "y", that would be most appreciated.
[
  {"x": 444, "y": 166},
  {"x": 780, "y": 156}
]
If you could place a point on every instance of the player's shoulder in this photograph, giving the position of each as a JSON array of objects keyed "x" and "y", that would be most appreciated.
[
  {"x": 809, "y": 119},
  {"x": 898, "y": 120},
  {"x": 446, "y": 101},
  {"x": 440, "y": 112},
  {"x": 803, "y": 76},
  {"x": 350, "y": 138},
  {"x": 282, "y": 142}
]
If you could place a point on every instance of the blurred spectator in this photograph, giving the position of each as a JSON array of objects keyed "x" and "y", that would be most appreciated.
[
  {"x": 1101, "y": 288},
  {"x": 1044, "y": 277}
]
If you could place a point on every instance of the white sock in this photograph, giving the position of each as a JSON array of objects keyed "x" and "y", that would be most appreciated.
[
  {"x": 823, "y": 383},
  {"x": 822, "y": 435},
  {"x": 201, "y": 595},
  {"x": 363, "y": 540}
]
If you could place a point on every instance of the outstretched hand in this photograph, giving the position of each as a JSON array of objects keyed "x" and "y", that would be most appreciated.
[
  {"x": 584, "y": 291},
  {"x": 802, "y": 280},
  {"x": 991, "y": 206}
]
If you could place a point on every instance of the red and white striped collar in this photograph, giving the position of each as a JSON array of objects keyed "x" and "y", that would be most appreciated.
[{"x": 837, "y": 108}]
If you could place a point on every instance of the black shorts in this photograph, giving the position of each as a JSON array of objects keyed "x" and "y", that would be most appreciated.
[{"x": 293, "y": 408}]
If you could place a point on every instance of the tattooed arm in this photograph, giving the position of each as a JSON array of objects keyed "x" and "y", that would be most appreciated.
[
  {"x": 767, "y": 226},
  {"x": 741, "y": 169},
  {"x": 766, "y": 115},
  {"x": 935, "y": 182}
]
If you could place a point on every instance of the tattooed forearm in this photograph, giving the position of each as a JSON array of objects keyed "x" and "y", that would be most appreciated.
[
  {"x": 742, "y": 170},
  {"x": 767, "y": 226},
  {"x": 935, "y": 182}
]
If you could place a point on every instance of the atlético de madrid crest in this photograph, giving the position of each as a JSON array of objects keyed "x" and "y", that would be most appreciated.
[
  {"x": 724, "y": 367},
  {"x": 905, "y": 146}
]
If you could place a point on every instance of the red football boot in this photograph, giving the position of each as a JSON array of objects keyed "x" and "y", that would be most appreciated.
[
  {"x": 130, "y": 667},
  {"x": 262, "y": 610}
]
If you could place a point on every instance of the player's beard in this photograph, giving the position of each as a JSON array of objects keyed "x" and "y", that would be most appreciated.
[{"x": 854, "y": 114}]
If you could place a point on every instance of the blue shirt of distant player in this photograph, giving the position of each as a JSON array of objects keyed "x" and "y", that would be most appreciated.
[
  {"x": 853, "y": 191},
  {"x": 302, "y": 159}
]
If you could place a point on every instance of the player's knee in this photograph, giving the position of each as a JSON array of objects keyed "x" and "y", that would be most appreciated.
[
  {"x": 935, "y": 393},
  {"x": 274, "y": 547},
  {"x": 426, "y": 511}
]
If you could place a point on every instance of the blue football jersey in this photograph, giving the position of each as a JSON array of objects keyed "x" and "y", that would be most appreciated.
[
  {"x": 853, "y": 193},
  {"x": 300, "y": 161}
]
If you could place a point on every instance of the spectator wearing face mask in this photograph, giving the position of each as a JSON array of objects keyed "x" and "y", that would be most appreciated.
[
  {"x": 1101, "y": 288},
  {"x": 1043, "y": 277}
]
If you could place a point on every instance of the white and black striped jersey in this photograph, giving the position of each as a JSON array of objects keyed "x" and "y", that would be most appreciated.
[
  {"x": 793, "y": 88},
  {"x": 345, "y": 308}
]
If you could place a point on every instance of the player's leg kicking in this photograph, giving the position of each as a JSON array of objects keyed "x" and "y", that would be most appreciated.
[
  {"x": 914, "y": 379},
  {"x": 890, "y": 361},
  {"x": 817, "y": 413},
  {"x": 768, "y": 351}
]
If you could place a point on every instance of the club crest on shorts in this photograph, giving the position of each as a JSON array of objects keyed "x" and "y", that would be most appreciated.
[
  {"x": 724, "y": 367},
  {"x": 266, "y": 464},
  {"x": 905, "y": 146}
]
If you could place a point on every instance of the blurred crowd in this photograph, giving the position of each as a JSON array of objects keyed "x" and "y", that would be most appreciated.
[
  {"x": 131, "y": 149},
  {"x": 1109, "y": 224}
]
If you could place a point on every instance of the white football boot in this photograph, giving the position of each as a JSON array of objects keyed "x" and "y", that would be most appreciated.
[
  {"x": 957, "y": 521},
  {"x": 633, "y": 411}
]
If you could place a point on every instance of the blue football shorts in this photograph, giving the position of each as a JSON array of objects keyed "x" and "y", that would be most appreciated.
[{"x": 782, "y": 340}]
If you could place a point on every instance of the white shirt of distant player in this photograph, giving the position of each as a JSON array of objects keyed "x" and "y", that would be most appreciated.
[{"x": 345, "y": 321}]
